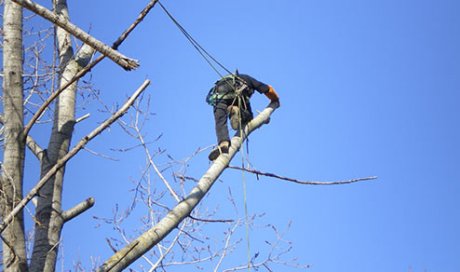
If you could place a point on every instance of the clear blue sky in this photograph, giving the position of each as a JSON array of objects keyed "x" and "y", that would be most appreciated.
[{"x": 367, "y": 88}]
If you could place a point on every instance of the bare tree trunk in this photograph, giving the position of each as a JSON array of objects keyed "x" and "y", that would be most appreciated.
[
  {"x": 14, "y": 253},
  {"x": 49, "y": 207},
  {"x": 124, "y": 257}
]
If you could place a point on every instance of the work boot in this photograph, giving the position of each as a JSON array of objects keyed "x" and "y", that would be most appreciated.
[
  {"x": 220, "y": 149},
  {"x": 234, "y": 113}
]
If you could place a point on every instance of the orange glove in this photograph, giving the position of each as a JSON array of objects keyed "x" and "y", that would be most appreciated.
[{"x": 272, "y": 95}]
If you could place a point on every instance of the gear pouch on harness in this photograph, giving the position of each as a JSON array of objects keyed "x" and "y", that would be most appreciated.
[{"x": 225, "y": 88}]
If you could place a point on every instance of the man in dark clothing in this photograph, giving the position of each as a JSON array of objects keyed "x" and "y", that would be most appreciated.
[{"x": 230, "y": 97}]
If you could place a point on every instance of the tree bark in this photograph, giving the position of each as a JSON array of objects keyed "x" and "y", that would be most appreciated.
[
  {"x": 61, "y": 21},
  {"x": 49, "y": 206},
  {"x": 14, "y": 253},
  {"x": 124, "y": 257}
]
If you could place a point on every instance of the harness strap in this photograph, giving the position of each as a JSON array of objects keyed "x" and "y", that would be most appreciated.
[{"x": 233, "y": 91}]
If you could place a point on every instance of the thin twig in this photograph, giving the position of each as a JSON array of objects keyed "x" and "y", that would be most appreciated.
[
  {"x": 184, "y": 178},
  {"x": 230, "y": 232},
  {"x": 112, "y": 247},
  {"x": 256, "y": 172},
  {"x": 100, "y": 154},
  {"x": 157, "y": 171},
  {"x": 168, "y": 250},
  {"x": 212, "y": 220}
]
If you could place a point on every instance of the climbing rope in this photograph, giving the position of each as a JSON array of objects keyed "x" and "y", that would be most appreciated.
[
  {"x": 205, "y": 54},
  {"x": 210, "y": 59},
  {"x": 243, "y": 178}
]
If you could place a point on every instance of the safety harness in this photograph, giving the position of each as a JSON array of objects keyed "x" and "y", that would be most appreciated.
[{"x": 229, "y": 87}]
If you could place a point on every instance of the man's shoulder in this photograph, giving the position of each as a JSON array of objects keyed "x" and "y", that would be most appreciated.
[{"x": 247, "y": 78}]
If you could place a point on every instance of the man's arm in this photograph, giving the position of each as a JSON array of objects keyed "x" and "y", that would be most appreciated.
[
  {"x": 261, "y": 87},
  {"x": 272, "y": 95}
]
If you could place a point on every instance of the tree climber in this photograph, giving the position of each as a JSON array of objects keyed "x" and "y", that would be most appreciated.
[{"x": 230, "y": 97}]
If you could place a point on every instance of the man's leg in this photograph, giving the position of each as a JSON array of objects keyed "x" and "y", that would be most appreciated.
[
  {"x": 223, "y": 140},
  {"x": 246, "y": 114},
  {"x": 234, "y": 115},
  {"x": 220, "y": 118},
  {"x": 240, "y": 115}
]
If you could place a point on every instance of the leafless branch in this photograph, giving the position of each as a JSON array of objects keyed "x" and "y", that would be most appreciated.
[
  {"x": 256, "y": 172},
  {"x": 230, "y": 232},
  {"x": 112, "y": 247},
  {"x": 79, "y": 119},
  {"x": 139, "y": 19},
  {"x": 182, "y": 177},
  {"x": 78, "y": 209},
  {"x": 88, "y": 68},
  {"x": 134, "y": 129},
  {"x": 100, "y": 155},
  {"x": 168, "y": 249},
  {"x": 275, "y": 255},
  {"x": 71, "y": 154},
  {"x": 152, "y": 163},
  {"x": 117, "y": 57},
  {"x": 34, "y": 147},
  {"x": 212, "y": 220}
]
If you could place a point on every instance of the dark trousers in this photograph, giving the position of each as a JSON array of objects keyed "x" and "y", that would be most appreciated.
[{"x": 221, "y": 114}]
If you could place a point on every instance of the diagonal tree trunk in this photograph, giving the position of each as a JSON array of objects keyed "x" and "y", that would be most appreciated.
[
  {"x": 14, "y": 254},
  {"x": 127, "y": 255}
]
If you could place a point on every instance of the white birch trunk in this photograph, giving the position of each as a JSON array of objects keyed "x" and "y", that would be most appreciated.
[
  {"x": 124, "y": 257},
  {"x": 14, "y": 254}
]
